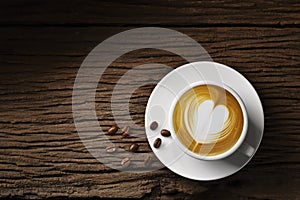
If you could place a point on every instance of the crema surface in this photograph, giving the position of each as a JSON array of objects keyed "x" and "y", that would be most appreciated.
[{"x": 208, "y": 120}]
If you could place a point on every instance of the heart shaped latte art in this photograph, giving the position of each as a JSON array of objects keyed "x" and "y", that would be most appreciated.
[{"x": 208, "y": 120}]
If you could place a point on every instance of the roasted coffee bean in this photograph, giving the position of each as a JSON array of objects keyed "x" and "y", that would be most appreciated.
[
  {"x": 125, "y": 162},
  {"x": 153, "y": 125},
  {"x": 112, "y": 130},
  {"x": 148, "y": 161},
  {"x": 124, "y": 135},
  {"x": 165, "y": 133},
  {"x": 133, "y": 147},
  {"x": 126, "y": 129},
  {"x": 111, "y": 149},
  {"x": 157, "y": 143}
]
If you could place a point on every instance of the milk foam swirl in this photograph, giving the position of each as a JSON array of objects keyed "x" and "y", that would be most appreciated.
[{"x": 208, "y": 120}]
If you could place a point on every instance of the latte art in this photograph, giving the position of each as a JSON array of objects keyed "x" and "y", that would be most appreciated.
[{"x": 208, "y": 120}]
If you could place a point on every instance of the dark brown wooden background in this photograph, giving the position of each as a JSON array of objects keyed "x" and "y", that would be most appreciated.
[{"x": 42, "y": 44}]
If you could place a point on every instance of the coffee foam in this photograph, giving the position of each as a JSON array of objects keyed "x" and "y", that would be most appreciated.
[{"x": 208, "y": 120}]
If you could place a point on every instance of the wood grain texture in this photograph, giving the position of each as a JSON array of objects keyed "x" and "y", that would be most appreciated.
[
  {"x": 145, "y": 13},
  {"x": 42, "y": 48}
]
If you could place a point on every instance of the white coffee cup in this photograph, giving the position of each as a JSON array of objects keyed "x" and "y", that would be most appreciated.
[{"x": 246, "y": 149}]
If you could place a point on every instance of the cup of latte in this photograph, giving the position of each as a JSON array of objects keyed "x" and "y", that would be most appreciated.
[{"x": 208, "y": 121}]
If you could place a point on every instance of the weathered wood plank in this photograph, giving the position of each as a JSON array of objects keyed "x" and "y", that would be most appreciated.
[
  {"x": 42, "y": 155},
  {"x": 143, "y": 13}
]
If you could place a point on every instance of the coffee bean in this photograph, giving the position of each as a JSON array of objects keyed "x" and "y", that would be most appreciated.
[
  {"x": 111, "y": 149},
  {"x": 125, "y": 162},
  {"x": 124, "y": 135},
  {"x": 157, "y": 143},
  {"x": 165, "y": 133},
  {"x": 153, "y": 125},
  {"x": 125, "y": 131},
  {"x": 112, "y": 130},
  {"x": 148, "y": 161},
  {"x": 133, "y": 147}
]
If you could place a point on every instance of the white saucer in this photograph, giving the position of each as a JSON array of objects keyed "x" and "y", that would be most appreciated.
[{"x": 158, "y": 109}]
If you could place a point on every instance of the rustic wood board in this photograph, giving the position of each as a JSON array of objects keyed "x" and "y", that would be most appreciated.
[{"x": 43, "y": 45}]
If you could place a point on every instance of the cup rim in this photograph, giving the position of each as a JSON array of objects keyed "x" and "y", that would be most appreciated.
[{"x": 234, "y": 147}]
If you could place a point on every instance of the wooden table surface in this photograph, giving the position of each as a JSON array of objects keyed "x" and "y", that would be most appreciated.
[{"x": 42, "y": 45}]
